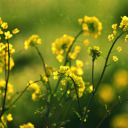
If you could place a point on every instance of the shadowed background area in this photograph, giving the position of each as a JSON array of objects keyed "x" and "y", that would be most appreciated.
[{"x": 51, "y": 19}]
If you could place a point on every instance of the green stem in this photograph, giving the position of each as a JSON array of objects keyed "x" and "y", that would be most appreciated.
[
  {"x": 43, "y": 65},
  {"x": 6, "y": 84},
  {"x": 22, "y": 93},
  {"x": 81, "y": 124},
  {"x": 67, "y": 56},
  {"x": 93, "y": 73},
  {"x": 48, "y": 109},
  {"x": 77, "y": 96},
  {"x": 110, "y": 111},
  {"x": 67, "y": 111},
  {"x": 65, "y": 121},
  {"x": 55, "y": 115},
  {"x": 71, "y": 46}
]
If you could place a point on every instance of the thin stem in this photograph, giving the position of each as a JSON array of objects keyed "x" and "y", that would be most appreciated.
[
  {"x": 110, "y": 111},
  {"x": 67, "y": 56},
  {"x": 7, "y": 79},
  {"x": 81, "y": 124},
  {"x": 65, "y": 120},
  {"x": 93, "y": 73},
  {"x": 67, "y": 111},
  {"x": 55, "y": 114},
  {"x": 77, "y": 95},
  {"x": 22, "y": 93},
  {"x": 71, "y": 46},
  {"x": 43, "y": 65},
  {"x": 48, "y": 109}
]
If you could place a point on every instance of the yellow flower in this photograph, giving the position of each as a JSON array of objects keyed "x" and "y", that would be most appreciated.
[
  {"x": 68, "y": 92},
  {"x": 80, "y": 21},
  {"x": 80, "y": 71},
  {"x": 4, "y": 25},
  {"x": 114, "y": 26},
  {"x": 61, "y": 89},
  {"x": 120, "y": 80},
  {"x": 93, "y": 26},
  {"x": 86, "y": 42},
  {"x": 126, "y": 38},
  {"x": 34, "y": 87},
  {"x": 115, "y": 58},
  {"x": 63, "y": 82},
  {"x": 7, "y": 35},
  {"x": 114, "y": 32},
  {"x": 90, "y": 88},
  {"x": 9, "y": 117},
  {"x": 120, "y": 121},
  {"x": 62, "y": 44},
  {"x": 87, "y": 19},
  {"x": 106, "y": 93},
  {"x": 96, "y": 48},
  {"x": 55, "y": 74},
  {"x": 85, "y": 27},
  {"x": 119, "y": 49},
  {"x": 124, "y": 22},
  {"x": 1, "y": 32},
  {"x": 79, "y": 63},
  {"x": 15, "y": 31},
  {"x": 60, "y": 58},
  {"x": 77, "y": 49},
  {"x": 73, "y": 55},
  {"x": 0, "y": 20},
  {"x": 110, "y": 37},
  {"x": 32, "y": 41},
  {"x": 28, "y": 125}
]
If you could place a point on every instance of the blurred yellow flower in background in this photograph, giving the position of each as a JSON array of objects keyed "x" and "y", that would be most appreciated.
[
  {"x": 120, "y": 80},
  {"x": 86, "y": 42},
  {"x": 120, "y": 121},
  {"x": 106, "y": 93}
]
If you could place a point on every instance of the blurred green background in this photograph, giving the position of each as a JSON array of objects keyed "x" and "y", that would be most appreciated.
[{"x": 50, "y": 19}]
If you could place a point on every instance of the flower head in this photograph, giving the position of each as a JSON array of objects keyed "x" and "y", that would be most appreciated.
[
  {"x": 110, "y": 37},
  {"x": 32, "y": 41},
  {"x": 80, "y": 21},
  {"x": 4, "y": 25},
  {"x": 94, "y": 52},
  {"x": 124, "y": 23},
  {"x": 119, "y": 49},
  {"x": 114, "y": 26},
  {"x": 15, "y": 31},
  {"x": 126, "y": 38},
  {"x": 7, "y": 35},
  {"x": 86, "y": 42},
  {"x": 115, "y": 58}
]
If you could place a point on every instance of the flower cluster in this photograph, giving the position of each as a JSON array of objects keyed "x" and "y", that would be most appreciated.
[
  {"x": 91, "y": 25},
  {"x": 115, "y": 58},
  {"x": 78, "y": 70},
  {"x": 111, "y": 37},
  {"x": 124, "y": 23},
  {"x": 28, "y": 125},
  {"x": 61, "y": 45},
  {"x": 32, "y": 41},
  {"x": 94, "y": 52},
  {"x": 69, "y": 76},
  {"x": 10, "y": 91},
  {"x": 74, "y": 54},
  {"x": 7, "y": 34},
  {"x": 4, "y": 56},
  {"x": 34, "y": 87},
  {"x": 4, "y": 119}
]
